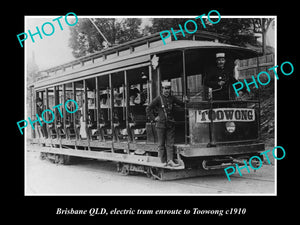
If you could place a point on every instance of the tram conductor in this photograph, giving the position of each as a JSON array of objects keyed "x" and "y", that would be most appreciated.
[{"x": 165, "y": 123}]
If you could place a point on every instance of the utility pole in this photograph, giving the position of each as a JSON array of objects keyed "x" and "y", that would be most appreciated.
[{"x": 108, "y": 43}]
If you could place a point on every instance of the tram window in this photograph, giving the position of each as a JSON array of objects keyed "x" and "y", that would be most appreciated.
[
  {"x": 40, "y": 102},
  {"x": 92, "y": 112},
  {"x": 79, "y": 97},
  {"x": 118, "y": 96},
  {"x": 51, "y": 97},
  {"x": 40, "y": 131},
  {"x": 133, "y": 95},
  {"x": 104, "y": 98},
  {"x": 139, "y": 86}
]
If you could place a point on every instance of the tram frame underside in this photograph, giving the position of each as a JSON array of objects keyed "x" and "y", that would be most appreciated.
[{"x": 140, "y": 157}]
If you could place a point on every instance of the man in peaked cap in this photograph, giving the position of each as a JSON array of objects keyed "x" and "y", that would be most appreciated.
[
  {"x": 220, "y": 79},
  {"x": 165, "y": 123}
]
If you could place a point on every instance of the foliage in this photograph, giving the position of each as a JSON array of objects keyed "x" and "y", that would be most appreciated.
[{"x": 85, "y": 39}]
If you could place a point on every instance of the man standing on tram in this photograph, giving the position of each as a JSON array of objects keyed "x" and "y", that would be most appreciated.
[
  {"x": 165, "y": 123},
  {"x": 220, "y": 79}
]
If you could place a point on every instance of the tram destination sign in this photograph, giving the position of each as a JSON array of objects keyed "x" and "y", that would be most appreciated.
[{"x": 225, "y": 114}]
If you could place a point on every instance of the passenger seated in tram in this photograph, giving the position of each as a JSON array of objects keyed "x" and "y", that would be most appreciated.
[
  {"x": 133, "y": 95},
  {"x": 219, "y": 79},
  {"x": 137, "y": 114},
  {"x": 104, "y": 101},
  {"x": 118, "y": 97}
]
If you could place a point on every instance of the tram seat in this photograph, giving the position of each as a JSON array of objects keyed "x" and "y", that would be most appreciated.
[
  {"x": 70, "y": 130},
  {"x": 104, "y": 124},
  {"x": 104, "y": 119},
  {"x": 52, "y": 131},
  {"x": 92, "y": 130},
  {"x": 60, "y": 129},
  {"x": 137, "y": 120}
]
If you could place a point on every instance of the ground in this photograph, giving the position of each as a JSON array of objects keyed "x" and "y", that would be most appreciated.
[{"x": 95, "y": 177}]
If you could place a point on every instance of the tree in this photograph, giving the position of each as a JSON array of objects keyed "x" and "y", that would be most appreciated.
[
  {"x": 238, "y": 29},
  {"x": 129, "y": 29},
  {"x": 85, "y": 39},
  {"x": 261, "y": 25}
]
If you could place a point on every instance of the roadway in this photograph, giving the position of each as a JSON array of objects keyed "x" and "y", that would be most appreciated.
[{"x": 95, "y": 177}]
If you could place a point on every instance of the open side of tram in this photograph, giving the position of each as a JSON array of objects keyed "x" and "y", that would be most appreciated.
[{"x": 113, "y": 88}]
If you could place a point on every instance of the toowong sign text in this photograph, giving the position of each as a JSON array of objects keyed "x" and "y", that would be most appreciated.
[{"x": 225, "y": 114}]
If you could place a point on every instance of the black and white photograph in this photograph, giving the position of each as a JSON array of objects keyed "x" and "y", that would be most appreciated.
[
  {"x": 186, "y": 110},
  {"x": 117, "y": 103}
]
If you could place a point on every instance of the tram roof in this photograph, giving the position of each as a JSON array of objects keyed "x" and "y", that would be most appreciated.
[{"x": 141, "y": 57}]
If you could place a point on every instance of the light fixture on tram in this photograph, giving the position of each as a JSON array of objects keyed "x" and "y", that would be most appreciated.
[
  {"x": 144, "y": 76},
  {"x": 230, "y": 126}
]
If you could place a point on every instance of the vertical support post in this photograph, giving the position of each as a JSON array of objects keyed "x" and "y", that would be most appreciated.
[
  {"x": 97, "y": 106},
  {"x": 129, "y": 137},
  {"x": 47, "y": 107},
  {"x": 85, "y": 115},
  {"x": 184, "y": 88},
  {"x": 111, "y": 104},
  {"x": 158, "y": 91},
  {"x": 56, "y": 113},
  {"x": 74, "y": 115},
  {"x": 64, "y": 110},
  {"x": 33, "y": 111},
  {"x": 150, "y": 88},
  {"x": 259, "y": 126}
]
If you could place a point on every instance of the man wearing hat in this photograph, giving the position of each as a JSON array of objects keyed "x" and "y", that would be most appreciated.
[
  {"x": 165, "y": 123},
  {"x": 39, "y": 109},
  {"x": 220, "y": 79}
]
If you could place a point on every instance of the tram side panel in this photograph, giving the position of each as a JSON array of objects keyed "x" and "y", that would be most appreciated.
[{"x": 221, "y": 132}]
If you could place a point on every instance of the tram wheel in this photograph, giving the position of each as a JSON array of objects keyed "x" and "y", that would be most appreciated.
[
  {"x": 123, "y": 169},
  {"x": 43, "y": 156},
  {"x": 156, "y": 173}
]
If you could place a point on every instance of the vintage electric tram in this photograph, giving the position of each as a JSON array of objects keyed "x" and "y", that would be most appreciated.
[{"x": 113, "y": 88}]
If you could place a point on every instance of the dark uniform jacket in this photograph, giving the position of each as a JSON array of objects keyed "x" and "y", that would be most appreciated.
[
  {"x": 168, "y": 103},
  {"x": 213, "y": 76}
]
